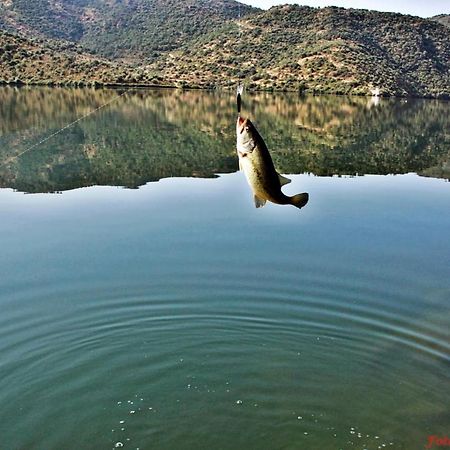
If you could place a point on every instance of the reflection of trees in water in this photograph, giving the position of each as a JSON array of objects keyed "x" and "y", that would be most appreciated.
[
  {"x": 147, "y": 135},
  {"x": 44, "y": 107}
]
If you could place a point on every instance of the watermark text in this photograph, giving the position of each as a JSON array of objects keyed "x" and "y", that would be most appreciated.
[{"x": 437, "y": 441}]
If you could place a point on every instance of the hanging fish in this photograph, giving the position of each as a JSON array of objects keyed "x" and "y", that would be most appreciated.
[{"x": 255, "y": 161}]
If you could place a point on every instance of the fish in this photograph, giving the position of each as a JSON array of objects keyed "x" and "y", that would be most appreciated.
[{"x": 256, "y": 163}]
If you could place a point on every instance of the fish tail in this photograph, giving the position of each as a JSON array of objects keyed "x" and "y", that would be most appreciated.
[{"x": 299, "y": 200}]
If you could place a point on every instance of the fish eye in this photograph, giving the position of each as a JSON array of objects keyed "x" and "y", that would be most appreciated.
[{"x": 247, "y": 128}]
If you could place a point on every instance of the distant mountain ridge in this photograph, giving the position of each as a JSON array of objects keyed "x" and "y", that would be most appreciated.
[
  {"x": 136, "y": 30},
  {"x": 324, "y": 50},
  {"x": 442, "y": 18},
  {"x": 203, "y": 43}
]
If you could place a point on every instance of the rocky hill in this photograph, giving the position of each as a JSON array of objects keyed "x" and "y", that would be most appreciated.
[
  {"x": 135, "y": 30},
  {"x": 43, "y": 61},
  {"x": 442, "y": 18},
  {"x": 203, "y": 43},
  {"x": 322, "y": 50}
]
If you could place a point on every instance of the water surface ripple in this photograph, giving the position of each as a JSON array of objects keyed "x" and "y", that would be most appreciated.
[{"x": 177, "y": 316}]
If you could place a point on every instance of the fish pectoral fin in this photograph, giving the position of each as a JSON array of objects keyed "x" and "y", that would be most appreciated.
[
  {"x": 240, "y": 164},
  {"x": 259, "y": 202},
  {"x": 283, "y": 180}
]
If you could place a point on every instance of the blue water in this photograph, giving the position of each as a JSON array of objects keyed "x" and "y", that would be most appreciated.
[{"x": 178, "y": 316}]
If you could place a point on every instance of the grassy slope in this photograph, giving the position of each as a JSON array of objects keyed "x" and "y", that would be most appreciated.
[
  {"x": 36, "y": 61},
  {"x": 328, "y": 50},
  {"x": 120, "y": 29},
  {"x": 323, "y": 50}
]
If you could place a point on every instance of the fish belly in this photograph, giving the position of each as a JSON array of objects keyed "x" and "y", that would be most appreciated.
[{"x": 255, "y": 178}]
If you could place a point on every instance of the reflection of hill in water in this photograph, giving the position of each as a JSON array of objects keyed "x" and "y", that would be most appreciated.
[{"x": 148, "y": 135}]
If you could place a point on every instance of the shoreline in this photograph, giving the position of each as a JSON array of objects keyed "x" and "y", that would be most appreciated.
[{"x": 99, "y": 85}]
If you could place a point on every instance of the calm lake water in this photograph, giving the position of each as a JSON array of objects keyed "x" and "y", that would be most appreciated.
[{"x": 178, "y": 316}]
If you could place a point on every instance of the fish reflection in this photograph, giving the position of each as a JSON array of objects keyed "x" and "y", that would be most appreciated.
[{"x": 255, "y": 161}]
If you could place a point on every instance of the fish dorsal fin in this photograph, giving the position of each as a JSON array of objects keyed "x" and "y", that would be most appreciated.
[
  {"x": 259, "y": 202},
  {"x": 283, "y": 180}
]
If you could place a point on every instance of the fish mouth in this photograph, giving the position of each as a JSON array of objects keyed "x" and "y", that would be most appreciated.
[{"x": 241, "y": 123}]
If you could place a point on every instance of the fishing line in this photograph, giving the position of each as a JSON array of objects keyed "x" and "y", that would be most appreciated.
[
  {"x": 79, "y": 119},
  {"x": 240, "y": 88}
]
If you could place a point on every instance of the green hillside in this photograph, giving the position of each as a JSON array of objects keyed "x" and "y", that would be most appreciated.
[
  {"x": 42, "y": 61},
  {"x": 134, "y": 30},
  {"x": 320, "y": 50},
  {"x": 201, "y": 43}
]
